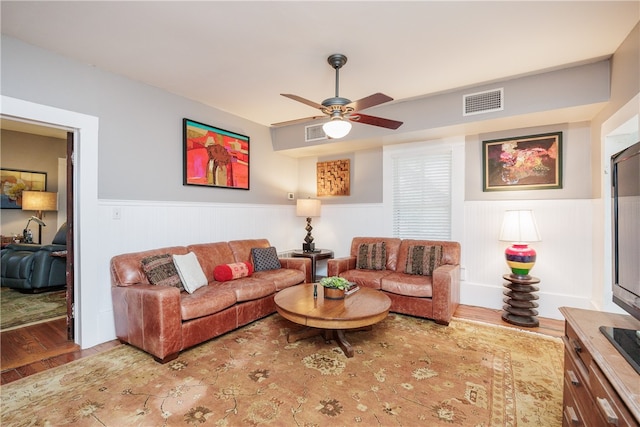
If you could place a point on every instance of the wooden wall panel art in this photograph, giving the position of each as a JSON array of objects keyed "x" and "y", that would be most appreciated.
[{"x": 334, "y": 178}]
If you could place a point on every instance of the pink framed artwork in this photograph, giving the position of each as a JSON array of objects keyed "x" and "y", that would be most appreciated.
[{"x": 215, "y": 157}]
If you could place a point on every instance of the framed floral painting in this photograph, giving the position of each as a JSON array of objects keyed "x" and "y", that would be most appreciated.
[
  {"x": 13, "y": 182},
  {"x": 524, "y": 163}
]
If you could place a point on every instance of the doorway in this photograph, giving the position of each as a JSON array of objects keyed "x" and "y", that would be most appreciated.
[
  {"x": 93, "y": 315},
  {"x": 53, "y": 145}
]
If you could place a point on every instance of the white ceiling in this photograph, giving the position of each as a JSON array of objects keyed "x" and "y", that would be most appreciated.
[{"x": 239, "y": 56}]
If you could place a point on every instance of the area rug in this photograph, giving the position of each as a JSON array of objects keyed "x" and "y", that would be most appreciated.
[
  {"x": 18, "y": 309},
  {"x": 405, "y": 372}
]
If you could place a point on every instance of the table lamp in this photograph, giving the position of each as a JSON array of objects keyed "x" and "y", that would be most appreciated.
[
  {"x": 38, "y": 201},
  {"x": 519, "y": 227},
  {"x": 308, "y": 208}
]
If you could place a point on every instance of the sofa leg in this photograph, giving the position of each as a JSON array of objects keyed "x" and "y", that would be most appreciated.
[
  {"x": 169, "y": 358},
  {"x": 442, "y": 322}
]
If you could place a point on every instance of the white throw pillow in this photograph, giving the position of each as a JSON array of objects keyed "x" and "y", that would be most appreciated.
[{"x": 190, "y": 272}]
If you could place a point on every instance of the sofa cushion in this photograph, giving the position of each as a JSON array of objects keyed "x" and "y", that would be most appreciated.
[
  {"x": 372, "y": 256},
  {"x": 265, "y": 258},
  {"x": 161, "y": 270},
  {"x": 410, "y": 285},
  {"x": 236, "y": 270},
  {"x": 205, "y": 301},
  {"x": 211, "y": 255},
  {"x": 248, "y": 288},
  {"x": 392, "y": 246},
  {"x": 241, "y": 249},
  {"x": 366, "y": 278},
  {"x": 61, "y": 236},
  {"x": 190, "y": 272},
  {"x": 282, "y": 277},
  {"x": 126, "y": 269},
  {"x": 423, "y": 259}
]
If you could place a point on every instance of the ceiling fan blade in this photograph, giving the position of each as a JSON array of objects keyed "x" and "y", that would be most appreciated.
[
  {"x": 303, "y": 100},
  {"x": 375, "y": 121},
  {"x": 293, "y": 122},
  {"x": 370, "y": 101}
]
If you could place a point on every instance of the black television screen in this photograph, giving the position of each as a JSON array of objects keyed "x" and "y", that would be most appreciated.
[
  {"x": 625, "y": 169},
  {"x": 625, "y": 186}
]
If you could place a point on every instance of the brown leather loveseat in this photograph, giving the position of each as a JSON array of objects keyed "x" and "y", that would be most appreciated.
[
  {"x": 163, "y": 320},
  {"x": 421, "y": 277}
]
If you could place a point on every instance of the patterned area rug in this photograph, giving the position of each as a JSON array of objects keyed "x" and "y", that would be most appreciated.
[
  {"x": 405, "y": 371},
  {"x": 18, "y": 310}
]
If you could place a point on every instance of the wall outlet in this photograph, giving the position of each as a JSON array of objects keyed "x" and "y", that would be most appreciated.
[
  {"x": 290, "y": 196},
  {"x": 463, "y": 273},
  {"x": 116, "y": 213}
]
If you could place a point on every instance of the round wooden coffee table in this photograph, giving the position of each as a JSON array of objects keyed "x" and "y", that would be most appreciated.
[{"x": 331, "y": 318}]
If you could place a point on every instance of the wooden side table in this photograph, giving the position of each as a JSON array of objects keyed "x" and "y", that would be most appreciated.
[
  {"x": 314, "y": 257},
  {"x": 520, "y": 301}
]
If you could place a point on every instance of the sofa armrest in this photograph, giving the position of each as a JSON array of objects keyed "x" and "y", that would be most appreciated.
[
  {"x": 446, "y": 292},
  {"x": 26, "y": 247},
  {"x": 47, "y": 270},
  {"x": 148, "y": 317},
  {"x": 340, "y": 265},
  {"x": 302, "y": 264},
  {"x": 53, "y": 248}
]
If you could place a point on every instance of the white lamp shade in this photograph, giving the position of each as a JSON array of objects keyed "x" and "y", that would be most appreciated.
[
  {"x": 337, "y": 128},
  {"x": 39, "y": 201},
  {"x": 308, "y": 207},
  {"x": 519, "y": 226}
]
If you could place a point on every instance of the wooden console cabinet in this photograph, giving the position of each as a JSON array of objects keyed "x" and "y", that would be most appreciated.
[{"x": 600, "y": 386}]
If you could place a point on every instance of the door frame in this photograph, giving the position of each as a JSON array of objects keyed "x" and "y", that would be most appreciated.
[{"x": 89, "y": 322}]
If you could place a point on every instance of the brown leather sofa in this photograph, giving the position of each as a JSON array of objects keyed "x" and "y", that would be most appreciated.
[
  {"x": 163, "y": 321},
  {"x": 434, "y": 297}
]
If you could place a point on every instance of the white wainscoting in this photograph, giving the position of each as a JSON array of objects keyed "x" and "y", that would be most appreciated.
[
  {"x": 564, "y": 254},
  {"x": 148, "y": 225}
]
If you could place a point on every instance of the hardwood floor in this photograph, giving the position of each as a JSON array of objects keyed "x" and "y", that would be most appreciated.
[
  {"x": 551, "y": 327},
  {"x": 32, "y": 349},
  {"x": 27, "y": 351}
]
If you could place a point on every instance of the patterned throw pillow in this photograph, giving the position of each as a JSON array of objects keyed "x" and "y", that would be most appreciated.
[
  {"x": 265, "y": 259},
  {"x": 372, "y": 256},
  {"x": 225, "y": 272},
  {"x": 190, "y": 272},
  {"x": 422, "y": 260},
  {"x": 161, "y": 271}
]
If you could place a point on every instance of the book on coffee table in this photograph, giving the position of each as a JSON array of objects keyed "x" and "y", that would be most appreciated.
[{"x": 351, "y": 289}]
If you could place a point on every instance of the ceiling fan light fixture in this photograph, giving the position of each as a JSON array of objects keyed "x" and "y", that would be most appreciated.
[{"x": 336, "y": 128}]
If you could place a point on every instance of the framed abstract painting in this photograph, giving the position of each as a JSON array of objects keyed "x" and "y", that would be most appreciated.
[
  {"x": 524, "y": 163},
  {"x": 214, "y": 157},
  {"x": 13, "y": 182}
]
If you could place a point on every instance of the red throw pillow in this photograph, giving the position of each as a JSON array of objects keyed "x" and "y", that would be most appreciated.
[{"x": 226, "y": 272}]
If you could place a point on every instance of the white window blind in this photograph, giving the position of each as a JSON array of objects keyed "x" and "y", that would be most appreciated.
[{"x": 422, "y": 196}]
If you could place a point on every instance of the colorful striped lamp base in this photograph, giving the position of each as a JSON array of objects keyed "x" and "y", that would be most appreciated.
[{"x": 521, "y": 259}]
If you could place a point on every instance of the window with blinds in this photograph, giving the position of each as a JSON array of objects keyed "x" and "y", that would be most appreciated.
[{"x": 421, "y": 195}]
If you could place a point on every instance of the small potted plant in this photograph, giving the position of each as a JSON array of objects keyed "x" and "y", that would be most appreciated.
[{"x": 334, "y": 287}]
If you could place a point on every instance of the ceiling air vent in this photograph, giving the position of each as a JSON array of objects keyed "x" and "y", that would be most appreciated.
[
  {"x": 483, "y": 102},
  {"x": 314, "y": 133}
]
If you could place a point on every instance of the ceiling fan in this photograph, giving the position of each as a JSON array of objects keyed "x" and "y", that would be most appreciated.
[{"x": 343, "y": 110}]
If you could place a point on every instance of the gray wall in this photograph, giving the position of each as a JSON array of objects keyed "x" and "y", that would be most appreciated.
[
  {"x": 24, "y": 151},
  {"x": 140, "y": 129},
  {"x": 140, "y": 153},
  {"x": 365, "y": 178},
  {"x": 554, "y": 90},
  {"x": 576, "y": 174},
  {"x": 625, "y": 84}
]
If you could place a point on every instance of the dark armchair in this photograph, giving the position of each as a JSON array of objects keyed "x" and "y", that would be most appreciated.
[{"x": 34, "y": 268}]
